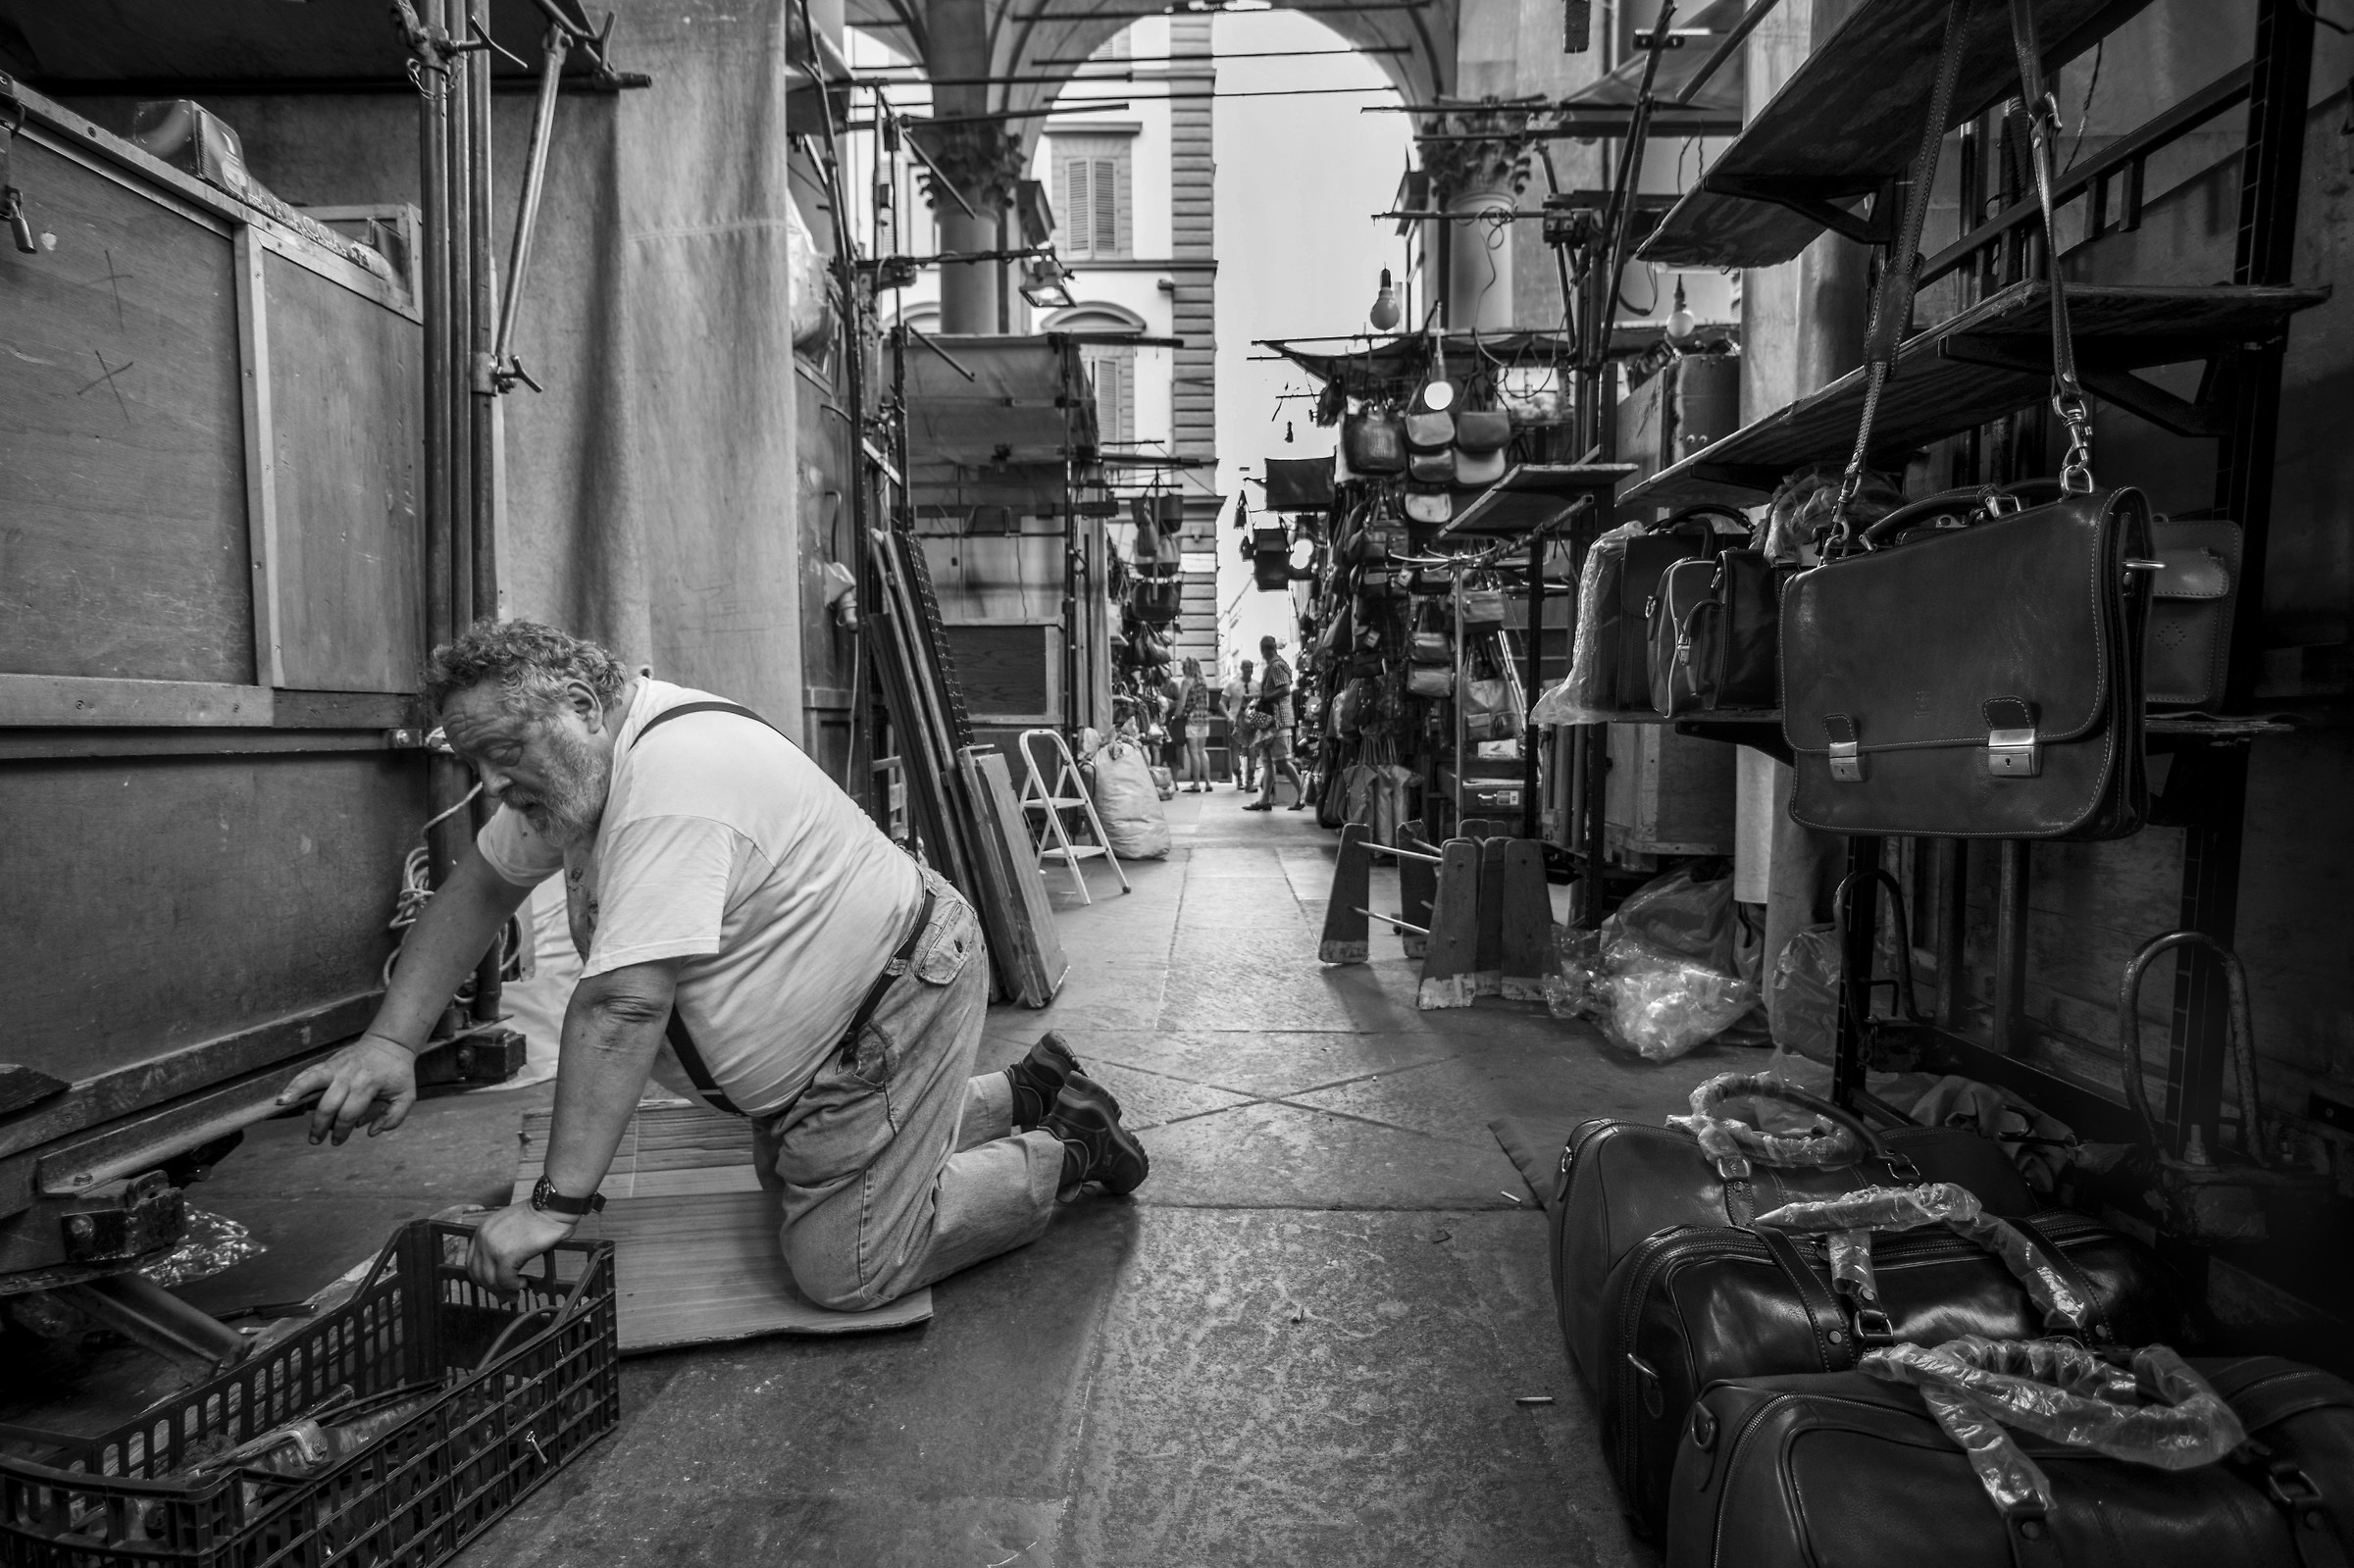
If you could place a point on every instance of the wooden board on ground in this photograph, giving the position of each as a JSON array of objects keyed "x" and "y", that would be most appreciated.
[
  {"x": 694, "y": 1237},
  {"x": 1017, "y": 912}
]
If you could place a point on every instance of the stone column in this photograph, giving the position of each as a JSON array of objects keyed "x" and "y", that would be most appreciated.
[
  {"x": 1477, "y": 184},
  {"x": 981, "y": 157}
]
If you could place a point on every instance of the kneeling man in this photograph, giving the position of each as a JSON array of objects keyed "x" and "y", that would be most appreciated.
[{"x": 806, "y": 974}]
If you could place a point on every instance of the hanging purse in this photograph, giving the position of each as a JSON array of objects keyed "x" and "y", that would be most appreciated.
[
  {"x": 1429, "y": 431},
  {"x": 1430, "y": 680},
  {"x": 1481, "y": 607},
  {"x": 1374, "y": 441},
  {"x": 1429, "y": 506},
  {"x": 2189, "y": 641},
  {"x": 1715, "y": 634},
  {"x": 1299, "y": 484},
  {"x": 1477, "y": 468},
  {"x": 1487, "y": 429},
  {"x": 1981, "y": 682},
  {"x": 1432, "y": 468}
]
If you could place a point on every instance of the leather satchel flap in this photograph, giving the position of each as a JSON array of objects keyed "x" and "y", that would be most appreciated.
[
  {"x": 1478, "y": 468},
  {"x": 2202, "y": 559},
  {"x": 1483, "y": 430},
  {"x": 1877, "y": 642},
  {"x": 1429, "y": 431},
  {"x": 1429, "y": 506},
  {"x": 1432, "y": 468}
]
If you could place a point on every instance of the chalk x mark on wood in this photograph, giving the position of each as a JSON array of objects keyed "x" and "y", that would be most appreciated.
[{"x": 106, "y": 376}]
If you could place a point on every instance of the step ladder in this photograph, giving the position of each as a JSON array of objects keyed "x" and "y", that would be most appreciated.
[{"x": 1069, "y": 793}]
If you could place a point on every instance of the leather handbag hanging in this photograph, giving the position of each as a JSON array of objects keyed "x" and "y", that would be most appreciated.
[
  {"x": 1432, "y": 468},
  {"x": 1622, "y": 1182},
  {"x": 2189, "y": 641},
  {"x": 1853, "y": 1468},
  {"x": 1374, "y": 440},
  {"x": 1478, "y": 468},
  {"x": 1487, "y": 429},
  {"x": 1430, "y": 680},
  {"x": 1715, "y": 634},
  {"x": 1981, "y": 682},
  {"x": 1428, "y": 506},
  {"x": 1429, "y": 430},
  {"x": 1692, "y": 1308}
]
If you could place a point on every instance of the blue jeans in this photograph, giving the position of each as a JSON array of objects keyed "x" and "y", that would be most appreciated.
[{"x": 898, "y": 1167}]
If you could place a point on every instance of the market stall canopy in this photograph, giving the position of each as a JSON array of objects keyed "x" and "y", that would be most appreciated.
[
  {"x": 1003, "y": 437},
  {"x": 1720, "y": 94},
  {"x": 1381, "y": 365},
  {"x": 154, "y": 46}
]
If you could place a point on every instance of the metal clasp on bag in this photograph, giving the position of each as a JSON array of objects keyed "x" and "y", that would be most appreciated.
[
  {"x": 2012, "y": 751},
  {"x": 1845, "y": 748}
]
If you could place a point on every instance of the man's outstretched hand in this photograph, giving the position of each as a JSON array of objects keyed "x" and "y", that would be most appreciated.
[{"x": 371, "y": 1082}]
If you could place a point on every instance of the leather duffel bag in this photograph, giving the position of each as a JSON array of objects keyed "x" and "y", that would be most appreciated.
[
  {"x": 1622, "y": 1182},
  {"x": 1715, "y": 634},
  {"x": 1692, "y": 1308},
  {"x": 1799, "y": 1471}
]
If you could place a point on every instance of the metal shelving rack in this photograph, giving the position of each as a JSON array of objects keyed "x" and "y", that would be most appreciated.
[{"x": 1802, "y": 166}]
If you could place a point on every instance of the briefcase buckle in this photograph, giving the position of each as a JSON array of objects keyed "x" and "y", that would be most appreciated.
[
  {"x": 1846, "y": 761},
  {"x": 2012, "y": 753}
]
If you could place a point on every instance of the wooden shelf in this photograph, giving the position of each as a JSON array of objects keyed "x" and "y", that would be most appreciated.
[
  {"x": 1823, "y": 155},
  {"x": 1991, "y": 360},
  {"x": 1532, "y": 495}
]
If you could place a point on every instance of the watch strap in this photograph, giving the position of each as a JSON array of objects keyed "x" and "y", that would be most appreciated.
[{"x": 545, "y": 1197}]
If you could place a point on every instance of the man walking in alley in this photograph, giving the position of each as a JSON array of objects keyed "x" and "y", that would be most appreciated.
[
  {"x": 729, "y": 899},
  {"x": 1242, "y": 747},
  {"x": 1274, "y": 703}
]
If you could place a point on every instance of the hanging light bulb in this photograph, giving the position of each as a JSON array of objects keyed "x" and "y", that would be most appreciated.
[
  {"x": 1682, "y": 325},
  {"x": 1384, "y": 314}
]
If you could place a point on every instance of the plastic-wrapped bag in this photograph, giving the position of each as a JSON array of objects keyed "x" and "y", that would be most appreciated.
[
  {"x": 1574, "y": 987},
  {"x": 1664, "y": 1005},
  {"x": 1802, "y": 999},
  {"x": 1587, "y": 695},
  {"x": 1129, "y": 803},
  {"x": 1688, "y": 912}
]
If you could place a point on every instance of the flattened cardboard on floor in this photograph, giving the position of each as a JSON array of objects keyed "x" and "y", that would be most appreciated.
[{"x": 694, "y": 1237}]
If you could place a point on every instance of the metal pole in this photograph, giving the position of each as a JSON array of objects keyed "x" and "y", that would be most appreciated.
[
  {"x": 1533, "y": 662},
  {"x": 458, "y": 433},
  {"x": 445, "y": 776},
  {"x": 482, "y": 408},
  {"x": 534, "y": 180}
]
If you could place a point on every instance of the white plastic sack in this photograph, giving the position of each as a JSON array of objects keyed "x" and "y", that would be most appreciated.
[
  {"x": 1129, "y": 803},
  {"x": 1575, "y": 700}
]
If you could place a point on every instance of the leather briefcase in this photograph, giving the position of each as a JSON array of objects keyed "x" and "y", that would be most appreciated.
[
  {"x": 1623, "y": 1182},
  {"x": 1795, "y": 1472},
  {"x": 1974, "y": 682},
  {"x": 1692, "y": 1308},
  {"x": 2189, "y": 642},
  {"x": 1715, "y": 634}
]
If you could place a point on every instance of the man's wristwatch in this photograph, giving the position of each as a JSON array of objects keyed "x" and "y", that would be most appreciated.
[{"x": 546, "y": 1199}]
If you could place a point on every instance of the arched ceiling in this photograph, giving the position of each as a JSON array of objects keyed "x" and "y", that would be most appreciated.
[{"x": 1414, "y": 39}]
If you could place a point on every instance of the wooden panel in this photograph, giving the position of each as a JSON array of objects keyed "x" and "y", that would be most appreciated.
[
  {"x": 123, "y": 526},
  {"x": 59, "y": 700},
  {"x": 1007, "y": 672},
  {"x": 346, "y": 431},
  {"x": 169, "y": 900}
]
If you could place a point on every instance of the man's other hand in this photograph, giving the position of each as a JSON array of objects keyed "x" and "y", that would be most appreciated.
[
  {"x": 370, "y": 1082},
  {"x": 509, "y": 1240}
]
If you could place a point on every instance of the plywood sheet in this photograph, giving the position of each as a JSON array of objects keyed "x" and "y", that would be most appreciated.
[
  {"x": 123, "y": 542},
  {"x": 346, "y": 418},
  {"x": 156, "y": 902},
  {"x": 695, "y": 1258}
]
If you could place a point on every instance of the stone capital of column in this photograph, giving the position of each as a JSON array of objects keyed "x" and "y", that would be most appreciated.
[
  {"x": 984, "y": 162},
  {"x": 1473, "y": 154}
]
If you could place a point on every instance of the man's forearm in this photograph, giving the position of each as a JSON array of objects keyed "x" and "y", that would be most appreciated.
[
  {"x": 612, "y": 1031},
  {"x": 455, "y": 929}
]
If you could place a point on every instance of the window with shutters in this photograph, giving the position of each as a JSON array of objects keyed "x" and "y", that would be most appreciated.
[
  {"x": 1113, "y": 370},
  {"x": 1094, "y": 197}
]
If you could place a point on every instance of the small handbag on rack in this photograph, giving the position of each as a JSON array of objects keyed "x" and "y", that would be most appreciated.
[
  {"x": 1429, "y": 431},
  {"x": 1428, "y": 507},
  {"x": 1432, "y": 468},
  {"x": 2189, "y": 639},
  {"x": 1981, "y": 682},
  {"x": 1480, "y": 607},
  {"x": 1623, "y": 625}
]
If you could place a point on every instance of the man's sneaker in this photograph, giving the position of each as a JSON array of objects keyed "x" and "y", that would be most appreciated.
[
  {"x": 1096, "y": 1147},
  {"x": 1038, "y": 1078}
]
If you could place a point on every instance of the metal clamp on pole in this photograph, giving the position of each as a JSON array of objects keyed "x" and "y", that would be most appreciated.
[{"x": 12, "y": 200}]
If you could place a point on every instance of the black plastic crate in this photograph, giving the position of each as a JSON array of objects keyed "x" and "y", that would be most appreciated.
[{"x": 511, "y": 1389}]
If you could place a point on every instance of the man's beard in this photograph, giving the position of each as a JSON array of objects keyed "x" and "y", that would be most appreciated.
[{"x": 567, "y": 811}]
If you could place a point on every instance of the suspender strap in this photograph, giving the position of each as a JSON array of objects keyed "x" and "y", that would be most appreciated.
[{"x": 682, "y": 1043}]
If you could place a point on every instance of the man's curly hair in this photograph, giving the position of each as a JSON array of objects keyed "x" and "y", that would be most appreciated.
[{"x": 528, "y": 662}]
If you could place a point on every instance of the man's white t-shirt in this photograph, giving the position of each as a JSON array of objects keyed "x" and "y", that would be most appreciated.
[{"x": 723, "y": 845}]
